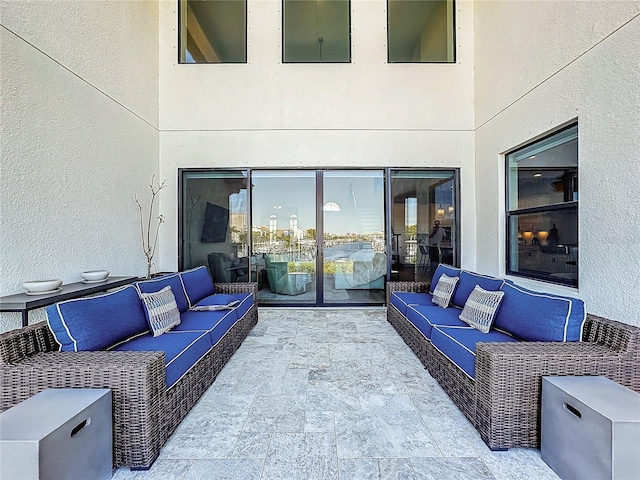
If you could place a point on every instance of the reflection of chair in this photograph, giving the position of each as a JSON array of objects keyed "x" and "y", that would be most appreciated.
[
  {"x": 224, "y": 270},
  {"x": 423, "y": 262},
  {"x": 435, "y": 254},
  {"x": 281, "y": 281}
]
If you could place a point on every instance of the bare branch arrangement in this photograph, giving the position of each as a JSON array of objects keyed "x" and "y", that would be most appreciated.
[{"x": 149, "y": 246}]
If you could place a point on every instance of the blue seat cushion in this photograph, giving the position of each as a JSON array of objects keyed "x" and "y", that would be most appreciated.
[
  {"x": 468, "y": 281},
  {"x": 182, "y": 350},
  {"x": 401, "y": 300},
  {"x": 443, "y": 268},
  {"x": 218, "y": 322},
  {"x": 207, "y": 321},
  {"x": 424, "y": 317},
  {"x": 458, "y": 344},
  {"x": 174, "y": 281},
  {"x": 245, "y": 301},
  {"x": 540, "y": 317},
  {"x": 98, "y": 322},
  {"x": 197, "y": 284}
]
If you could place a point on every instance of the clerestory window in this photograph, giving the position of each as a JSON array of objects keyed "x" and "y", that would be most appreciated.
[
  {"x": 213, "y": 31},
  {"x": 316, "y": 31},
  {"x": 421, "y": 31}
]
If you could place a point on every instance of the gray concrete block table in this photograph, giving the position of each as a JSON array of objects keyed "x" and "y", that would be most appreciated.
[
  {"x": 590, "y": 428},
  {"x": 58, "y": 434}
]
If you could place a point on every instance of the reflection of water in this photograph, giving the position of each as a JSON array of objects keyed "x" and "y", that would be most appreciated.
[{"x": 345, "y": 250}]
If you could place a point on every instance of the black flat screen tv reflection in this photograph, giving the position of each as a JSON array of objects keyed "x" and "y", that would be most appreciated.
[{"x": 216, "y": 220}]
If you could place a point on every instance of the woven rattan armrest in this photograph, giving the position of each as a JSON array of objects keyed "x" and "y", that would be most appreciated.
[
  {"x": 237, "y": 287},
  {"x": 137, "y": 381},
  {"x": 508, "y": 380},
  {"x": 418, "y": 287}
]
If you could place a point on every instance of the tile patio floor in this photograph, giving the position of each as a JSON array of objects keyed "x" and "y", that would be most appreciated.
[{"x": 330, "y": 394}]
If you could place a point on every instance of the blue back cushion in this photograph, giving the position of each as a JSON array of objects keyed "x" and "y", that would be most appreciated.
[
  {"x": 95, "y": 323},
  {"x": 468, "y": 281},
  {"x": 542, "y": 317},
  {"x": 443, "y": 268},
  {"x": 174, "y": 281},
  {"x": 197, "y": 284}
]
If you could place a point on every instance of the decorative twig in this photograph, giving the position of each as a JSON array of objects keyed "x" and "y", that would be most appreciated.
[{"x": 149, "y": 248}]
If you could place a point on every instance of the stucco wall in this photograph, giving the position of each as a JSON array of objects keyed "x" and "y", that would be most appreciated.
[
  {"x": 79, "y": 138},
  {"x": 269, "y": 114},
  {"x": 530, "y": 85}
]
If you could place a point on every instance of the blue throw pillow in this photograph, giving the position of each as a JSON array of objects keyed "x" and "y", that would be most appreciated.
[
  {"x": 96, "y": 323},
  {"x": 540, "y": 317},
  {"x": 468, "y": 281},
  {"x": 443, "y": 268},
  {"x": 197, "y": 284},
  {"x": 174, "y": 281}
]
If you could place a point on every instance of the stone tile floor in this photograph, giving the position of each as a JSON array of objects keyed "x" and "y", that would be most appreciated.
[{"x": 330, "y": 394}]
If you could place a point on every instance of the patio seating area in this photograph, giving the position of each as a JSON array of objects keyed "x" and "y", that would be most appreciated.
[{"x": 330, "y": 393}]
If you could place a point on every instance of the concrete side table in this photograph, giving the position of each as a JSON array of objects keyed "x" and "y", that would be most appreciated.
[
  {"x": 58, "y": 434},
  {"x": 590, "y": 428}
]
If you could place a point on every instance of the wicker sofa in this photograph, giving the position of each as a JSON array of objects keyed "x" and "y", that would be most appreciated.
[
  {"x": 501, "y": 396},
  {"x": 151, "y": 392}
]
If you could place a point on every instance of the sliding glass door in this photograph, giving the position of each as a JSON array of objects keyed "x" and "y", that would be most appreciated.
[
  {"x": 424, "y": 225},
  {"x": 283, "y": 231},
  {"x": 319, "y": 237},
  {"x": 214, "y": 224},
  {"x": 353, "y": 236}
]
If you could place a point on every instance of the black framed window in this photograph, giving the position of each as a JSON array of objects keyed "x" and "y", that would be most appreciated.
[
  {"x": 542, "y": 208},
  {"x": 213, "y": 31},
  {"x": 421, "y": 31},
  {"x": 316, "y": 31}
]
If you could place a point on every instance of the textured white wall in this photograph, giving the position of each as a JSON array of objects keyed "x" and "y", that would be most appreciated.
[
  {"x": 79, "y": 137},
  {"x": 269, "y": 114},
  {"x": 589, "y": 73}
]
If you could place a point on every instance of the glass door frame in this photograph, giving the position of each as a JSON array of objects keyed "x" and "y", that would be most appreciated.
[{"x": 319, "y": 171}]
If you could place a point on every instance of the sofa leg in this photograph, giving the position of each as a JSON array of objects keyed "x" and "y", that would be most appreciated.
[{"x": 139, "y": 469}]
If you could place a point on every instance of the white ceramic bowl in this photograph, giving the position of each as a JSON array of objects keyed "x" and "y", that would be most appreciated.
[
  {"x": 35, "y": 286},
  {"x": 95, "y": 275}
]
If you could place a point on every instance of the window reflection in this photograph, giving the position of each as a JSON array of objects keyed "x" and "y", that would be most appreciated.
[
  {"x": 421, "y": 31},
  {"x": 213, "y": 31},
  {"x": 542, "y": 196},
  {"x": 214, "y": 224},
  {"x": 423, "y": 223},
  {"x": 316, "y": 31}
]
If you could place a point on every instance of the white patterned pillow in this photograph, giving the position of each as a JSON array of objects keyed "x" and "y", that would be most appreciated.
[
  {"x": 480, "y": 308},
  {"x": 161, "y": 310},
  {"x": 444, "y": 290}
]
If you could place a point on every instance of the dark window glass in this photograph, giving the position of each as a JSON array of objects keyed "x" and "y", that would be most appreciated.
[
  {"x": 424, "y": 223},
  {"x": 316, "y": 31},
  {"x": 542, "y": 204},
  {"x": 421, "y": 31},
  {"x": 215, "y": 224},
  {"x": 213, "y": 31}
]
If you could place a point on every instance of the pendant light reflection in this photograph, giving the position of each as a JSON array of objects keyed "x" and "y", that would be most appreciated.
[{"x": 331, "y": 207}]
